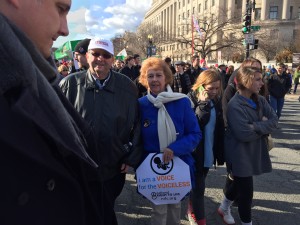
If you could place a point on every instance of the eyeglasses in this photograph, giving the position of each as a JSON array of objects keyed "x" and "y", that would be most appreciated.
[
  {"x": 65, "y": 70},
  {"x": 104, "y": 55}
]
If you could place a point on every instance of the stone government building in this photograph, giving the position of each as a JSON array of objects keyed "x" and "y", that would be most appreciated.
[{"x": 280, "y": 18}]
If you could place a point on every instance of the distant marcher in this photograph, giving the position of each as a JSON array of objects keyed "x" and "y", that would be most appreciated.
[
  {"x": 117, "y": 65},
  {"x": 80, "y": 54},
  {"x": 279, "y": 85},
  {"x": 129, "y": 69},
  {"x": 182, "y": 82},
  {"x": 250, "y": 120},
  {"x": 178, "y": 135},
  {"x": 63, "y": 71},
  {"x": 196, "y": 69},
  {"x": 296, "y": 78},
  {"x": 169, "y": 62}
]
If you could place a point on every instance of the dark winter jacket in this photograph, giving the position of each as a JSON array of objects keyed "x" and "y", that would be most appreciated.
[
  {"x": 202, "y": 111},
  {"x": 279, "y": 85},
  {"x": 48, "y": 166},
  {"x": 112, "y": 112}
]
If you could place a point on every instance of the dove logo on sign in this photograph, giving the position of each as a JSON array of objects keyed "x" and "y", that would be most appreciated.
[{"x": 158, "y": 166}]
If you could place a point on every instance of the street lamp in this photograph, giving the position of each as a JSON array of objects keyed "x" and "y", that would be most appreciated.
[{"x": 149, "y": 49}]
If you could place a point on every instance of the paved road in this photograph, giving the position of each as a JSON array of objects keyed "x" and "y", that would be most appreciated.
[{"x": 277, "y": 194}]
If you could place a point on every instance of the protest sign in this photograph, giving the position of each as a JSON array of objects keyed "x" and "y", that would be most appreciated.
[{"x": 163, "y": 183}]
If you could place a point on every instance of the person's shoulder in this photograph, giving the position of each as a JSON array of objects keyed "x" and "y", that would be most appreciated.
[
  {"x": 73, "y": 78},
  {"x": 124, "y": 82}
]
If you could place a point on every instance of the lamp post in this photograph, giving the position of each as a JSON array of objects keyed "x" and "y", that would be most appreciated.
[{"x": 150, "y": 42}]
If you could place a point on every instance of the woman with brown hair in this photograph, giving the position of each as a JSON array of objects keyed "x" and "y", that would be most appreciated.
[{"x": 250, "y": 119}]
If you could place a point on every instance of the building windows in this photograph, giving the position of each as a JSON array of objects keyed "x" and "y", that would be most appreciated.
[
  {"x": 183, "y": 3},
  {"x": 199, "y": 9},
  {"x": 178, "y": 18},
  {"x": 273, "y": 12},
  {"x": 193, "y": 10},
  {"x": 183, "y": 16},
  {"x": 188, "y": 14},
  {"x": 212, "y": 2},
  {"x": 291, "y": 12},
  {"x": 205, "y": 4},
  {"x": 257, "y": 14},
  {"x": 178, "y": 5},
  {"x": 299, "y": 13},
  {"x": 188, "y": 1}
]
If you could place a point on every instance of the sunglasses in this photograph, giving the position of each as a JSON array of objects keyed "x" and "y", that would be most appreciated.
[{"x": 104, "y": 55}]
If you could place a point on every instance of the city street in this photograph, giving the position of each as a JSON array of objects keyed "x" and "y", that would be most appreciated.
[{"x": 277, "y": 194}]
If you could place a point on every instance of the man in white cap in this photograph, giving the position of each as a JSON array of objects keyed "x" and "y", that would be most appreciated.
[{"x": 107, "y": 100}]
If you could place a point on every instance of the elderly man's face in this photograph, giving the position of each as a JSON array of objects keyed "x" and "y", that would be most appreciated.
[{"x": 100, "y": 62}]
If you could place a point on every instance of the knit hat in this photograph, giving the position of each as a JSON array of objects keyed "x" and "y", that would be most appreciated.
[
  {"x": 82, "y": 46},
  {"x": 99, "y": 43}
]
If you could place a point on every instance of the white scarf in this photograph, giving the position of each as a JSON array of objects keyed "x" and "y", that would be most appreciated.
[{"x": 165, "y": 125}]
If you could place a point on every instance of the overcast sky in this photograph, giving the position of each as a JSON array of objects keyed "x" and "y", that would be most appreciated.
[{"x": 105, "y": 18}]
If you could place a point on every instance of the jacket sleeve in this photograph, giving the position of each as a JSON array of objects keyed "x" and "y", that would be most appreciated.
[
  {"x": 135, "y": 156},
  {"x": 266, "y": 127},
  {"x": 191, "y": 134},
  {"x": 239, "y": 123}
]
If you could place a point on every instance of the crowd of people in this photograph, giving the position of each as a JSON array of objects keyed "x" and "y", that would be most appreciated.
[{"x": 68, "y": 137}]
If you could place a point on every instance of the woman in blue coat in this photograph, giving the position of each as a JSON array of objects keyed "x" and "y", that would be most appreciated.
[{"x": 169, "y": 126}]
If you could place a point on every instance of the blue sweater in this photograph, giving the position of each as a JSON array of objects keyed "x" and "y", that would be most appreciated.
[{"x": 186, "y": 125}]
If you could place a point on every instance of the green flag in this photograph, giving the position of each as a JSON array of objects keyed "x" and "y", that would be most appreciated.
[
  {"x": 66, "y": 50},
  {"x": 122, "y": 55}
]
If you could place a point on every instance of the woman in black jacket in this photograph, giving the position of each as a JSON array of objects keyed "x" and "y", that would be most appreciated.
[{"x": 206, "y": 96}]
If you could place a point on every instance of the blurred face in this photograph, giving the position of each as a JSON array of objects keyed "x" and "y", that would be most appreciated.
[
  {"x": 100, "y": 62},
  {"x": 43, "y": 21},
  {"x": 81, "y": 59},
  {"x": 196, "y": 62},
  {"x": 156, "y": 81},
  {"x": 279, "y": 70},
  {"x": 118, "y": 63},
  {"x": 179, "y": 68},
  {"x": 64, "y": 71},
  {"x": 213, "y": 89},
  {"x": 137, "y": 61},
  {"x": 257, "y": 83},
  {"x": 131, "y": 62}
]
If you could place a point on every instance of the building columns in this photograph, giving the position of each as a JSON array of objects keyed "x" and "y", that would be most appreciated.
[
  {"x": 285, "y": 9},
  {"x": 263, "y": 9},
  {"x": 231, "y": 9}
]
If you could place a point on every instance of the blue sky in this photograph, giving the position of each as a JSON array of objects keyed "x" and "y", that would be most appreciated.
[{"x": 105, "y": 18}]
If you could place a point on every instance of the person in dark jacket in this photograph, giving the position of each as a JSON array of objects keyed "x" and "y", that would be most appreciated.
[
  {"x": 182, "y": 82},
  {"x": 48, "y": 164},
  {"x": 80, "y": 52},
  {"x": 129, "y": 69},
  {"x": 196, "y": 69},
  {"x": 279, "y": 85},
  {"x": 206, "y": 96},
  {"x": 108, "y": 101}
]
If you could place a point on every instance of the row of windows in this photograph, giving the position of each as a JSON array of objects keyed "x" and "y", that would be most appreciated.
[
  {"x": 273, "y": 13},
  {"x": 199, "y": 6}
]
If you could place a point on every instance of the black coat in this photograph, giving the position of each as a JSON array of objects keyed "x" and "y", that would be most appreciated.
[
  {"x": 202, "y": 111},
  {"x": 48, "y": 164}
]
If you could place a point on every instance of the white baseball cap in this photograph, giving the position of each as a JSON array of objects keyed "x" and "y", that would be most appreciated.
[{"x": 99, "y": 43}]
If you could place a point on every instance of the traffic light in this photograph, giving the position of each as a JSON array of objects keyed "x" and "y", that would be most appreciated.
[
  {"x": 246, "y": 24},
  {"x": 255, "y": 43}
]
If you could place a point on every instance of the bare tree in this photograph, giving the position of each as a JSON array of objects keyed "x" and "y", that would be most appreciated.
[{"x": 216, "y": 33}]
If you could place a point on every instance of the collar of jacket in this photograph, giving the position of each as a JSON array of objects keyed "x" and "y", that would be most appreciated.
[
  {"x": 23, "y": 68},
  {"x": 90, "y": 83}
]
